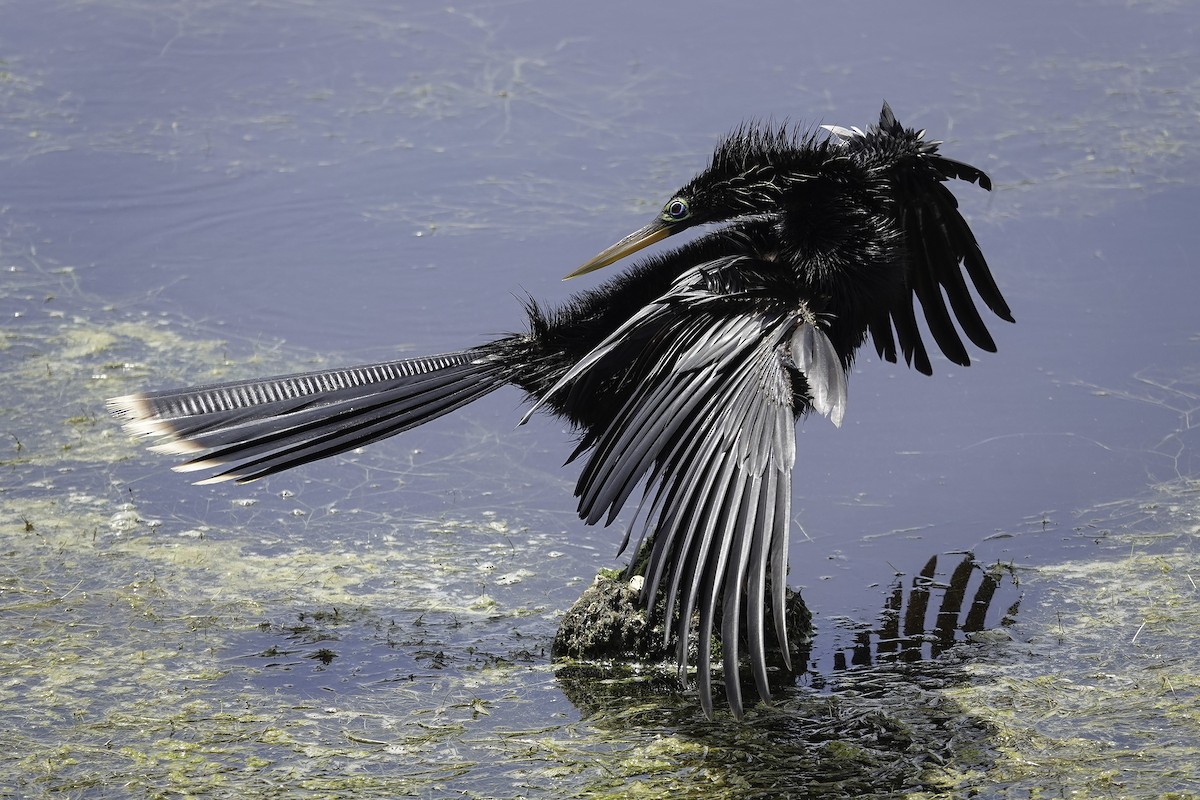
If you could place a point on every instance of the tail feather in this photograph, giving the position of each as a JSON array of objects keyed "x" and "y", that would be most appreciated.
[
  {"x": 342, "y": 430},
  {"x": 259, "y": 427}
]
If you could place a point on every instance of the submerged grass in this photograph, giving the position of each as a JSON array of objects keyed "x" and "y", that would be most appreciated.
[
  {"x": 203, "y": 649},
  {"x": 329, "y": 639},
  {"x": 1099, "y": 692},
  {"x": 158, "y": 640}
]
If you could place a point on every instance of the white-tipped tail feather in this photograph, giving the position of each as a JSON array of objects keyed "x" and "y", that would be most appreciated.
[{"x": 258, "y": 427}]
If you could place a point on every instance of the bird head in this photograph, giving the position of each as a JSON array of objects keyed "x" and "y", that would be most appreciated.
[{"x": 748, "y": 176}]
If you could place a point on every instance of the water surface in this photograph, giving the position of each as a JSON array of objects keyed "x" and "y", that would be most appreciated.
[{"x": 210, "y": 191}]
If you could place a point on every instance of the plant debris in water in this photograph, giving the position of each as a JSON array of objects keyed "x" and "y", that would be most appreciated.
[{"x": 151, "y": 649}]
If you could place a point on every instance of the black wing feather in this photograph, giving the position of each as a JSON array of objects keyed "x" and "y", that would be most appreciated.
[
  {"x": 708, "y": 426},
  {"x": 939, "y": 246}
]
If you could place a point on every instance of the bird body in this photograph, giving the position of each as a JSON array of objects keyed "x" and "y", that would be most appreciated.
[{"x": 685, "y": 375}]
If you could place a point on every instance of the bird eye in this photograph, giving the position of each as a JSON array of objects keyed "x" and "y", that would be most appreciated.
[{"x": 676, "y": 210}]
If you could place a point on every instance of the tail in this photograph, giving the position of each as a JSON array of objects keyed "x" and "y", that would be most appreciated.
[{"x": 259, "y": 427}]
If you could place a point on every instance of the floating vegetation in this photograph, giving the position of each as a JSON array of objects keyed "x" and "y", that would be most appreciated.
[
  {"x": 251, "y": 651},
  {"x": 382, "y": 626}
]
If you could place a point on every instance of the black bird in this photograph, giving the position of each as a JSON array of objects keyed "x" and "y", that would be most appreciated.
[{"x": 685, "y": 375}]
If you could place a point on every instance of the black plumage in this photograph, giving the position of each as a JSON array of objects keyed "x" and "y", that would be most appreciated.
[{"x": 686, "y": 374}]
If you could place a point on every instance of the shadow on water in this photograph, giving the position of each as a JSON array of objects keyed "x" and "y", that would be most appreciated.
[
  {"x": 926, "y": 618},
  {"x": 875, "y": 724}
]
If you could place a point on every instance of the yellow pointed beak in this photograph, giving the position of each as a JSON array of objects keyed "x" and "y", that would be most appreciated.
[{"x": 643, "y": 237}]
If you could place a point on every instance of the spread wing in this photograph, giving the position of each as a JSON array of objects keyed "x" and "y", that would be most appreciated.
[
  {"x": 940, "y": 248},
  {"x": 707, "y": 427}
]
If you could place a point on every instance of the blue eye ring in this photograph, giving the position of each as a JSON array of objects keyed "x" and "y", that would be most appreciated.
[{"x": 676, "y": 210}]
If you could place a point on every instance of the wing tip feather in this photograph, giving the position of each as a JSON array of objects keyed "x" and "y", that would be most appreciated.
[{"x": 134, "y": 406}]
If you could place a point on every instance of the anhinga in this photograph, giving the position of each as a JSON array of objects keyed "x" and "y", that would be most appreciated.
[{"x": 686, "y": 374}]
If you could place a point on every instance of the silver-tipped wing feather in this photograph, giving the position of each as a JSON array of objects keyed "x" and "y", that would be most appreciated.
[{"x": 708, "y": 430}]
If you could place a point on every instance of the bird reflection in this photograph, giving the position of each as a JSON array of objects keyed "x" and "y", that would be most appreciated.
[
  {"x": 910, "y": 629},
  {"x": 921, "y": 618},
  {"x": 685, "y": 375}
]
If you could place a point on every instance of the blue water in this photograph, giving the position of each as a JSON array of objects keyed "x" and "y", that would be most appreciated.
[{"x": 364, "y": 179}]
